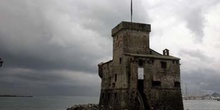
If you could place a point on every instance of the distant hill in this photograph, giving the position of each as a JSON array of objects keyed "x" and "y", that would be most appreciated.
[{"x": 215, "y": 95}]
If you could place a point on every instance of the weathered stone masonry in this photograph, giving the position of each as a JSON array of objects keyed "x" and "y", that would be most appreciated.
[{"x": 139, "y": 78}]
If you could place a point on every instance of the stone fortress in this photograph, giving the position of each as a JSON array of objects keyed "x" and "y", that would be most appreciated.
[{"x": 139, "y": 78}]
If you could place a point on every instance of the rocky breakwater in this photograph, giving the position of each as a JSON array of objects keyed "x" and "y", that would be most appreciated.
[{"x": 84, "y": 107}]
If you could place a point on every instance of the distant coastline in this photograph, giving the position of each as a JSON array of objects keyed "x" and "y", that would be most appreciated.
[{"x": 15, "y": 96}]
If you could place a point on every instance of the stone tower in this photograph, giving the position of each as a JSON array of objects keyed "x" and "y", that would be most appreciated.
[{"x": 139, "y": 78}]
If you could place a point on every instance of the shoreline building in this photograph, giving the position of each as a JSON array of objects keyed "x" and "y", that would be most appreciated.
[{"x": 139, "y": 78}]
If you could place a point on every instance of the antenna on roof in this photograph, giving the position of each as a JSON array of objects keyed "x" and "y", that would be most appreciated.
[{"x": 131, "y": 10}]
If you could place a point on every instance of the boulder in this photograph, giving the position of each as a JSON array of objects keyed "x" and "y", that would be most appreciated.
[{"x": 84, "y": 107}]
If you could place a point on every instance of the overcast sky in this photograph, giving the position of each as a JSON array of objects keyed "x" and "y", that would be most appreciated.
[{"x": 52, "y": 47}]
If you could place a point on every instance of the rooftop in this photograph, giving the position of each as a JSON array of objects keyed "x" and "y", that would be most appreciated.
[{"x": 132, "y": 26}]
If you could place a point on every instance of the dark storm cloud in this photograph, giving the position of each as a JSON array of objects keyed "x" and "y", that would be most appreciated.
[
  {"x": 102, "y": 16},
  {"x": 31, "y": 39},
  {"x": 54, "y": 46},
  {"x": 51, "y": 47},
  {"x": 200, "y": 77},
  {"x": 24, "y": 81},
  {"x": 27, "y": 42},
  {"x": 201, "y": 80}
]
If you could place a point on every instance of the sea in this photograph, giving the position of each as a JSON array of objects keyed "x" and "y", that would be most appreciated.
[{"x": 64, "y": 102}]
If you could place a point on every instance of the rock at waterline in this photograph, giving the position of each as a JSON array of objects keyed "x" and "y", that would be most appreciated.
[{"x": 84, "y": 107}]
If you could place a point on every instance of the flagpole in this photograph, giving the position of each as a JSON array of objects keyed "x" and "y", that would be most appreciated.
[{"x": 131, "y": 10}]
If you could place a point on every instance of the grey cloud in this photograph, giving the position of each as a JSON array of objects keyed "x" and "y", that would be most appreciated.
[
  {"x": 103, "y": 16},
  {"x": 33, "y": 39},
  {"x": 195, "y": 22},
  {"x": 40, "y": 40},
  {"x": 20, "y": 81},
  {"x": 27, "y": 42},
  {"x": 201, "y": 80},
  {"x": 198, "y": 54},
  {"x": 193, "y": 15}
]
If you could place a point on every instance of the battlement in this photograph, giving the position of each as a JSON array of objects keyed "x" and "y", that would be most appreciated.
[{"x": 131, "y": 26}]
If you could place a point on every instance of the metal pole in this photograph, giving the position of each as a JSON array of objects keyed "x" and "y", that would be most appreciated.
[{"x": 131, "y": 10}]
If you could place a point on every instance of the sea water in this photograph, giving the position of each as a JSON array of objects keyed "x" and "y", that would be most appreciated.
[
  {"x": 44, "y": 102},
  {"x": 64, "y": 102},
  {"x": 201, "y": 104}
]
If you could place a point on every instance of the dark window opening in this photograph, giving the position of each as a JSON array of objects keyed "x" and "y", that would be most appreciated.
[
  {"x": 152, "y": 60},
  {"x": 130, "y": 59},
  {"x": 177, "y": 84},
  {"x": 120, "y": 60},
  {"x": 156, "y": 83},
  {"x": 103, "y": 95},
  {"x": 113, "y": 85},
  {"x": 140, "y": 62},
  {"x": 109, "y": 95},
  {"x": 141, "y": 86},
  {"x": 115, "y": 95},
  {"x": 163, "y": 64},
  {"x": 110, "y": 81},
  {"x": 115, "y": 77},
  {"x": 177, "y": 62}
]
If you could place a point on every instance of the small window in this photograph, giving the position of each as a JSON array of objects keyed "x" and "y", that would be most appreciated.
[
  {"x": 156, "y": 83},
  {"x": 130, "y": 59},
  {"x": 163, "y": 64},
  {"x": 113, "y": 85},
  {"x": 115, "y": 77},
  {"x": 176, "y": 84},
  {"x": 152, "y": 60},
  {"x": 109, "y": 94},
  {"x": 103, "y": 95},
  {"x": 109, "y": 81},
  {"x": 120, "y": 60},
  {"x": 140, "y": 63},
  {"x": 177, "y": 62},
  {"x": 115, "y": 95}
]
